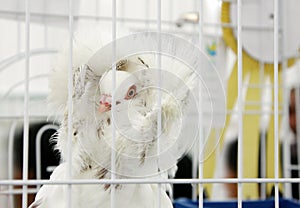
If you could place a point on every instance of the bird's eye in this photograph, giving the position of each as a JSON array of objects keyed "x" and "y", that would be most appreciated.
[{"x": 131, "y": 92}]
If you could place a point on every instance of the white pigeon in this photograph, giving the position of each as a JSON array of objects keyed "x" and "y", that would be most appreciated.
[{"x": 135, "y": 120}]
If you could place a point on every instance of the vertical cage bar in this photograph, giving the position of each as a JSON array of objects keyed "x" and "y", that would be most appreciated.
[
  {"x": 45, "y": 24},
  {"x": 147, "y": 14},
  {"x": 159, "y": 121},
  {"x": 170, "y": 17},
  {"x": 276, "y": 151},
  {"x": 201, "y": 134},
  {"x": 171, "y": 13},
  {"x": 263, "y": 163},
  {"x": 18, "y": 29},
  {"x": 113, "y": 107},
  {"x": 195, "y": 171},
  {"x": 97, "y": 8},
  {"x": 26, "y": 103},
  {"x": 297, "y": 112},
  {"x": 11, "y": 161},
  {"x": 240, "y": 101},
  {"x": 70, "y": 104},
  {"x": 196, "y": 148}
]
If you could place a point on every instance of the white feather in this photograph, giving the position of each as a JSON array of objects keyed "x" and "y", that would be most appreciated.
[
  {"x": 133, "y": 196},
  {"x": 135, "y": 121}
]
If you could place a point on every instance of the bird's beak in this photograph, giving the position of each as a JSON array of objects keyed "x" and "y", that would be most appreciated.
[
  {"x": 104, "y": 108},
  {"x": 105, "y": 103}
]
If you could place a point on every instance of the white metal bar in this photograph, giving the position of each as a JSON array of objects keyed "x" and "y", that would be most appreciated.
[
  {"x": 171, "y": 12},
  {"x": 21, "y": 117},
  {"x": 70, "y": 105},
  {"x": 148, "y": 181},
  {"x": 176, "y": 31},
  {"x": 170, "y": 17},
  {"x": 254, "y": 112},
  {"x": 244, "y": 27},
  {"x": 85, "y": 16},
  {"x": 133, "y": 20},
  {"x": 113, "y": 108},
  {"x": 201, "y": 155},
  {"x": 240, "y": 101},
  {"x": 26, "y": 103},
  {"x": 45, "y": 25},
  {"x": 287, "y": 168},
  {"x": 195, "y": 170},
  {"x": 261, "y": 85},
  {"x": 229, "y": 112},
  {"x": 297, "y": 111},
  {"x": 263, "y": 163},
  {"x": 18, "y": 191},
  {"x": 259, "y": 103},
  {"x": 97, "y": 7},
  {"x": 201, "y": 129},
  {"x": 196, "y": 23},
  {"x": 276, "y": 138},
  {"x": 11, "y": 158},
  {"x": 18, "y": 30},
  {"x": 38, "y": 149},
  {"x": 147, "y": 14},
  {"x": 159, "y": 84}
]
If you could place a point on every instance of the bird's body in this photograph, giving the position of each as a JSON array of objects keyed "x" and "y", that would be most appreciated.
[
  {"x": 91, "y": 153},
  {"x": 132, "y": 131},
  {"x": 92, "y": 195}
]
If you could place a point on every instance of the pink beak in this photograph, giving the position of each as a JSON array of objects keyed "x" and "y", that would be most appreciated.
[{"x": 105, "y": 103}]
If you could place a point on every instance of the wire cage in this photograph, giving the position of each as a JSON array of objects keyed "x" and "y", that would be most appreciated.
[{"x": 244, "y": 147}]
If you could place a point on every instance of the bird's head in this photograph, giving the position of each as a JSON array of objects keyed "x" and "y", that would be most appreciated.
[{"x": 126, "y": 89}]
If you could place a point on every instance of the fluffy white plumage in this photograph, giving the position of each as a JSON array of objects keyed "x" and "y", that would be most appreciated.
[{"x": 136, "y": 113}]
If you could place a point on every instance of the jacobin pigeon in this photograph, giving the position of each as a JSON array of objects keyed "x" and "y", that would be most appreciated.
[{"x": 147, "y": 110}]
